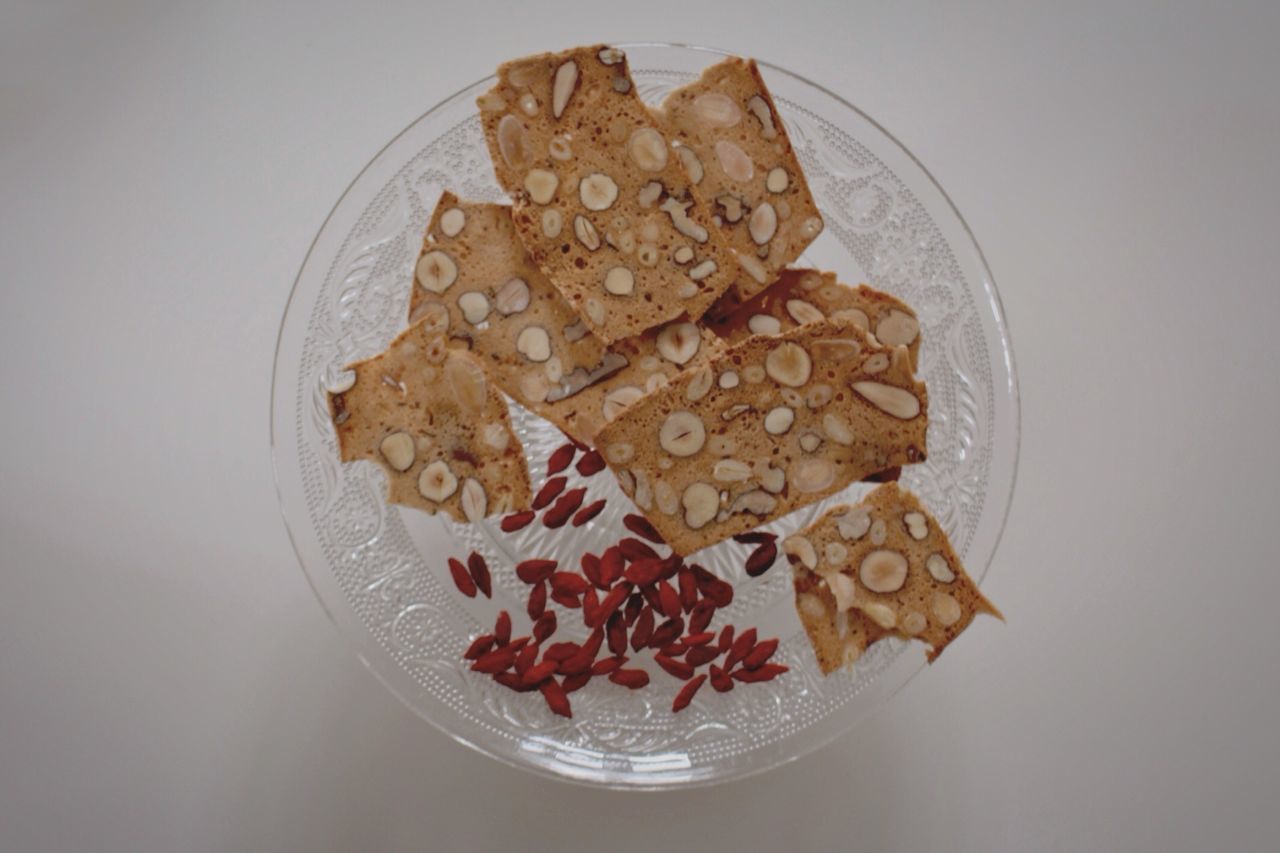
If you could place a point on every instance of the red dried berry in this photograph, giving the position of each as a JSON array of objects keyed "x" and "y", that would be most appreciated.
[
  {"x": 666, "y": 632},
  {"x": 537, "y": 600},
  {"x": 673, "y": 650},
  {"x": 635, "y": 603},
  {"x": 549, "y": 491},
  {"x": 575, "y": 682},
  {"x": 517, "y": 521},
  {"x": 560, "y": 651},
  {"x": 591, "y": 608},
  {"x": 726, "y": 638},
  {"x": 669, "y": 599},
  {"x": 632, "y": 678},
  {"x": 651, "y": 596},
  {"x": 720, "y": 680},
  {"x": 701, "y": 654},
  {"x": 565, "y": 506},
  {"x": 699, "y": 639},
  {"x": 640, "y": 526},
  {"x": 701, "y": 615},
  {"x": 511, "y": 680},
  {"x": 611, "y": 565},
  {"x": 591, "y": 570},
  {"x": 768, "y": 672},
  {"x": 720, "y": 593},
  {"x": 762, "y": 652},
  {"x": 533, "y": 571},
  {"x": 591, "y": 464},
  {"x": 462, "y": 579},
  {"x": 634, "y": 549},
  {"x": 527, "y": 657},
  {"x": 502, "y": 628},
  {"x": 479, "y": 646},
  {"x": 762, "y": 559},
  {"x": 539, "y": 672},
  {"x": 557, "y": 699},
  {"x": 498, "y": 660},
  {"x": 670, "y": 565},
  {"x": 544, "y": 627},
  {"x": 566, "y": 599},
  {"x": 594, "y": 642},
  {"x": 677, "y": 668},
  {"x": 560, "y": 459},
  {"x": 685, "y": 696},
  {"x": 746, "y": 640},
  {"x": 755, "y": 537},
  {"x": 611, "y": 602},
  {"x": 569, "y": 582},
  {"x": 688, "y": 589},
  {"x": 588, "y": 512},
  {"x": 604, "y": 666},
  {"x": 643, "y": 572},
  {"x": 616, "y": 632},
  {"x": 480, "y": 574},
  {"x": 643, "y": 629}
]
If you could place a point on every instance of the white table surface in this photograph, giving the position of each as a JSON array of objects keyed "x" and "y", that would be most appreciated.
[{"x": 167, "y": 679}]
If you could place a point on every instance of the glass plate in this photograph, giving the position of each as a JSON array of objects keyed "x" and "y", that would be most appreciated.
[{"x": 380, "y": 570}]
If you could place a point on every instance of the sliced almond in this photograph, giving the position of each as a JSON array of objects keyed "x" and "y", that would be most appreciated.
[
  {"x": 764, "y": 324},
  {"x": 753, "y": 373},
  {"x": 452, "y": 222},
  {"x": 945, "y": 608},
  {"x": 916, "y": 524},
  {"x": 528, "y": 104},
  {"x": 534, "y": 343},
  {"x": 597, "y": 191},
  {"x": 648, "y": 149},
  {"x": 702, "y": 270},
  {"x": 760, "y": 109},
  {"x": 728, "y": 379},
  {"x": 437, "y": 271},
  {"x": 699, "y": 385},
  {"x": 700, "y": 502},
  {"x": 939, "y": 568},
  {"x": 678, "y": 342},
  {"x": 835, "y": 553},
  {"x": 802, "y": 549},
  {"x": 610, "y": 55},
  {"x": 466, "y": 380},
  {"x": 731, "y": 471},
  {"x": 913, "y": 622},
  {"x": 837, "y": 429},
  {"x": 474, "y": 307},
  {"x": 475, "y": 503},
  {"x": 513, "y": 142},
  {"x": 763, "y": 223},
  {"x": 541, "y": 185},
  {"x": 399, "y": 450},
  {"x": 714, "y": 109},
  {"x": 730, "y": 206},
  {"x": 883, "y": 571},
  {"x": 436, "y": 482},
  {"x": 344, "y": 383},
  {"x": 586, "y": 232},
  {"x": 879, "y": 613},
  {"x": 648, "y": 255},
  {"x": 512, "y": 297},
  {"x": 566, "y": 80},
  {"x": 788, "y": 364},
  {"x": 897, "y": 328},
  {"x": 575, "y": 331},
  {"x": 691, "y": 163},
  {"x": 835, "y": 349},
  {"x": 777, "y": 180},
  {"x": 773, "y": 479},
  {"x": 779, "y": 420},
  {"x": 620, "y": 452},
  {"x": 649, "y": 194},
  {"x": 811, "y": 227},
  {"x": 756, "y": 502},
  {"x": 619, "y": 281},
  {"x": 853, "y": 525},
  {"x": 810, "y": 442},
  {"x": 876, "y": 363},
  {"x": 818, "y": 396},
  {"x": 665, "y": 497},
  {"x": 433, "y": 316},
  {"x": 804, "y": 312},
  {"x": 844, "y": 590},
  {"x": 560, "y": 148},
  {"x": 552, "y": 222},
  {"x": 495, "y": 436},
  {"x": 678, "y": 211},
  {"x": 854, "y": 315},
  {"x": 735, "y": 410},
  {"x": 813, "y": 474},
  {"x": 878, "y": 531},
  {"x": 734, "y": 162},
  {"x": 752, "y": 266},
  {"x": 618, "y": 399},
  {"x": 682, "y": 434},
  {"x": 891, "y": 400},
  {"x": 594, "y": 310},
  {"x": 683, "y": 255}
]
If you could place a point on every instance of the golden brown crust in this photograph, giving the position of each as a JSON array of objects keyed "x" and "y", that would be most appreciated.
[
  {"x": 770, "y": 425},
  {"x": 600, "y": 202},
  {"x": 420, "y": 404}
]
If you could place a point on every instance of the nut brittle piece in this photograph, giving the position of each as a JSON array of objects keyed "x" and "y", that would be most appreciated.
[
  {"x": 882, "y": 566},
  {"x": 600, "y": 201},
  {"x": 500, "y": 307},
  {"x": 807, "y": 296},
  {"x": 428, "y": 415},
  {"x": 766, "y": 427},
  {"x": 731, "y": 137}
]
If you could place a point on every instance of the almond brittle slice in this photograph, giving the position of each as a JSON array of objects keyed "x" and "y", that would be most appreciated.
[
  {"x": 435, "y": 424},
  {"x": 881, "y": 566},
  {"x": 735, "y": 146},
  {"x": 764, "y": 428},
  {"x": 475, "y": 284},
  {"x": 600, "y": 201}
]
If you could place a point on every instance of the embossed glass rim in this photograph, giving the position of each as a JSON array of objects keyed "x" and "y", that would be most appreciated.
[{"x": 830, "y": 732}]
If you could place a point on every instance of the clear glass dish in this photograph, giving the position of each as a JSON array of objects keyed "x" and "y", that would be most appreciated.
[{"x": 380, "y": 571}]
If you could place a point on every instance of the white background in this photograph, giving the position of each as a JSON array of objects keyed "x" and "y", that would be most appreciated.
[{"x": 167, "y": 679}]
